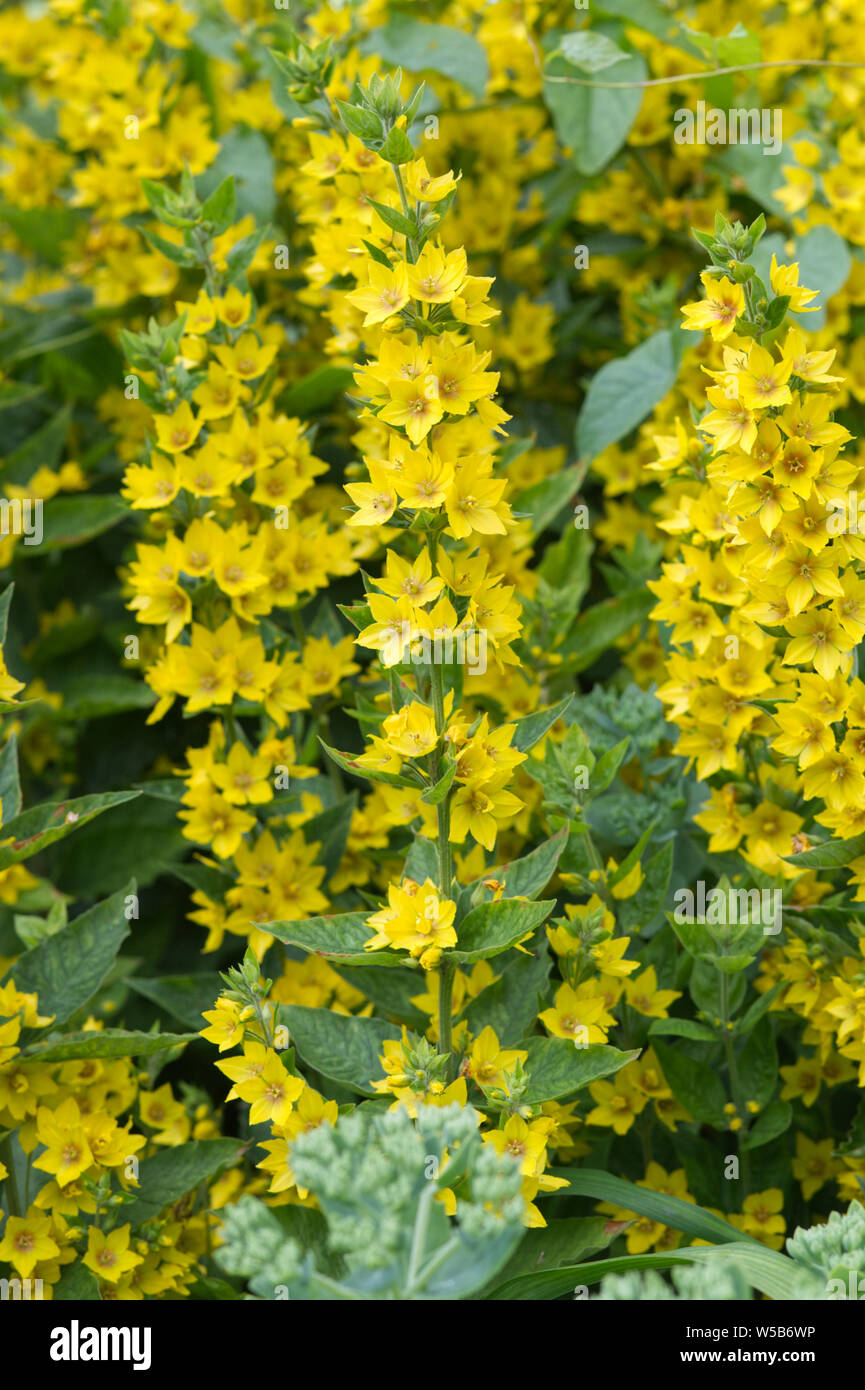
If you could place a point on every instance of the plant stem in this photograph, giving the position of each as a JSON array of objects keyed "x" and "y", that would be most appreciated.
[
  {"x": 730, "y": 1054},
  {"x": 419, "y": 1235},
  {"x": 445, "y": 1012},
  {"x": 13, "y": 1196},
  {"x": 410, "y": 246}
]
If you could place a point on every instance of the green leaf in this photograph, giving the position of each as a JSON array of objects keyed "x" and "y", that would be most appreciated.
[
  {"x": 246, "y": 155},
  {"x": 330, "y": 829},
  {"x": 219, "y": 208},
  {"x": 41, "y": 449},
  {"x": 366, "y": 125},
  {"x": 739, "y": 46},
  {"x": 105, "y": 1042},
  {"x": 681, "y": 1028},
  {"x": 759, "y": 1008},
  {"x": 66, "y": 969},
  {"x": 686, "y": 1217},
  {"x": 623, "y": 392},
  {"x": 544, "y": 500},
  {"x": 421, "y": 862},
  {"x": 340, "y": 1046},
  {"x": 178, "y": 255},
  {"x": 390, "y": 990},
  {"x": 561, "y": 1242},
  {"x": 775, "y": 1120},
  {"x": 510, "y": 1005},
  {"x": 31, "y": 929},
  {"x": 529, "y": 876},
  {"x": 76, "y": 1285},
  {"x": 407, "y": 226},
  {"x": 433, "y": 795},
  {"x": 705, "y": 990},
  {"x": 774, "y": 1274},
  {"x": 14, "y": 393},
  {"x": 10, "y": 784},
  {"x": 602, "y": 625},
  {"x": 340, "y": 939},
  {"x": 167, "y": 1176},
  {"x": 5, "y": 603},
  {"x": 419, "y": 47},
  {"x": 242, "y": 254},
  {"x": 833, "y": 854},
  {"x": 184, "y": 996},
  {"x": 350, "y": 764},
  {"x": 564, "y": 574},
  {"x": 652, "y": 894},
  {"x": 758, "y": 1064},
  {"x": 86, "y": 698},
  {"x": 557, "y": 772},
  {"x": 315, "y": 391},
  {"x": 557, "y": 1068},
  {"x": 142, "y": 838},
  {"x": 694, "y": 1084},
  {"x": 591, "y": 51},
  {"x": 546, "y": 1285},
  {"x": 653, "y": 18},
  {"x": 493, "y": 927},
  {"x": 606, "y": 768},
  {"x": 203, "y": 878},
  {"x": 593, "y": 122},
  {"x": 531, "y": 728},
  {"x": 70, "y": 521},
  {"x": 43, "y": 230},
  {"x": 397, "y": 148},
  {"x": 167, "y": 205},
  {"x": 728, "y": 947}
]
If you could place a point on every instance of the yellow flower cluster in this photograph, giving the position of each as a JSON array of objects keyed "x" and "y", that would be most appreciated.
[{"x": 80, "y": 1115}]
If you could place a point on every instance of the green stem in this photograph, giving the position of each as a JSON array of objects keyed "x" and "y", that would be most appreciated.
[
  {"x": 441, "y": 1256},
  {"x": 445, "y": 1015},
  {"x": 410, "y": 246},
  {"x": 13, "y": 1197},
  {"x": 419, "y": 1235},
  {"x": 730, "y": 1054},
  {"x": 598, "y": 864}
]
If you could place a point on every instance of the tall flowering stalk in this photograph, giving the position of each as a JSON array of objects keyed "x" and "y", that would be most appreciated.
[{"x": 766, "y": 605}]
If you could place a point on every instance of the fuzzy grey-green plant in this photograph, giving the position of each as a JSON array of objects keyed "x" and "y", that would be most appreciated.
[{"x": 376, "y": 1177}]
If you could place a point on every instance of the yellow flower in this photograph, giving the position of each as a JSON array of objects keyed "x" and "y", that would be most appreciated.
[
  {"x": 9, "y": 687},
  {"x": 422, "y": 186},
  {"x": 225, "y": 1025},
  {"x": 27, "y": 1240},
  {"x": 411, "y": 731},
  {"x": 416, "y": 920},
  {"x": 724, "y": 303},
  {"x": 579, "y": 1014},
  {"x": 761, "y": 1217},
  {"x": 802, "y": 1081},
  {"x": 437, "y": 276},
  {"x": 247, "y": 358},
  {"x": 619, "y": 1103},
  {"x": 178, "y": 432},
  {"x": 488, "y": 1063},
  {"x": 642, "y": 994},
  {"x": 108, "y": 1255},
  {"x": 386, "y": 292},
  {"x": 814, "y": 1164},
  {"x": 261, "y": 1079},
  {"x": 785, "y": 280}
]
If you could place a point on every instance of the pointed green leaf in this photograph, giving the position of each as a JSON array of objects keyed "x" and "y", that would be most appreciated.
[
  {"x": 43, "y": 825},
  {"x": 557, "y": 1068},
  {"x": 341, "y": 1046}
]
